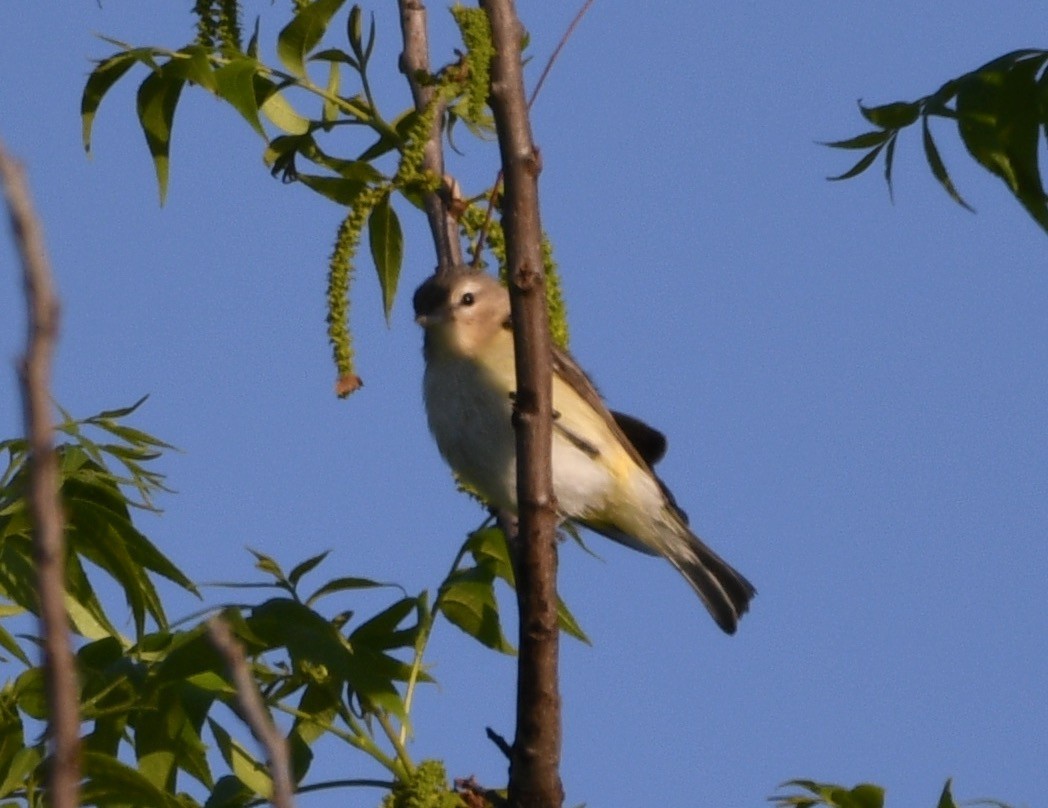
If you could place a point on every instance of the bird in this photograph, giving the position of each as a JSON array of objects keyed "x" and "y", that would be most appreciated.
[{"x": 602, "y": 460}]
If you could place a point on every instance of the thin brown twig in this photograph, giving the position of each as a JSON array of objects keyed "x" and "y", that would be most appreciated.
[
  {"x": 556, "y": 51},
  {"x": 34, "y": 373},
  {"x": 414, "y": 60},
  {"x": 254, "y": 712},
  {"x": 478, "y": 245}
]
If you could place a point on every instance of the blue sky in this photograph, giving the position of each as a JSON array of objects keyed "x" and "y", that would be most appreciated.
[{"x": 854, "y": 390}]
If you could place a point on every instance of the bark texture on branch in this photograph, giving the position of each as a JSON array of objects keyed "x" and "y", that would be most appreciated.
[
  {"x": 415, "y": 58},
  {"x": 44, "y": 506},
  {"x": 535, "y": 764}
]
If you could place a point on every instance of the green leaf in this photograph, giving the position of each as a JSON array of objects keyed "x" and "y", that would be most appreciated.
[
  {"x": 337, "y": 189},
  {"x": 946, "y": 798},
  {"x": 380, "y": 632},
  {"x": 387, "y": 250},
  {"x": 469, "y": 603},
  {"x": 889, "y": 160},
  {"x": 343, "y": 584},
  {"x": 157, "y": 98},
  {"x": 998, "y": 117},
  {"x": 105, "y": 776},
  {"x": 235, "y": 84},
  {"x": 310, "y": 563},
  {"x": 931, "y": 153},
  {"x": 283, "y": 115},
  {"x": 303, "y": 34},
  {"x": 246, "y": 768},
  {"x": 12, "y": 647},
  {"x": 102, "y": 78},
  {"x": 331, "y": 108},
  {"x": 860, "y": 166},
  {"x": 892, "y": 116},
  {"x": 863, "y": 141},
  {"x": 22, "y": 763}
]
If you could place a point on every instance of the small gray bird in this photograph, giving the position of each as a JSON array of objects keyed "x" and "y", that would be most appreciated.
[{"x": 602, "y": 460}]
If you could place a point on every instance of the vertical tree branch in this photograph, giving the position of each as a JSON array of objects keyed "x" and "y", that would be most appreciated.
[
  {"x": 413, "y": 59},
  {"x": 534, "y": 768},
  {"x": 254, "y": 712},
  {"x": 45, "y": 509}
]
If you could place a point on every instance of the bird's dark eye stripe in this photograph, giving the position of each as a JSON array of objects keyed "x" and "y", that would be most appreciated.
[{"x": 468, "y": 299}]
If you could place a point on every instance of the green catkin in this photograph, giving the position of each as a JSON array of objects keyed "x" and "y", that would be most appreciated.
[
  {"x": 340, "y": 272},
  {"x": 229, "y": 24},
  {"x": 475, "y": 29},
  {"x": 207, "y": 26}
]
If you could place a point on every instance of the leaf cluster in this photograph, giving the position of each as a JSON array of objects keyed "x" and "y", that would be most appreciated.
[
  {"x": 321, "y": 123},
  {"x": 810, "y": 794},
  {"x": 160, "y": 709},
  {"x": 1001, "y": 111}
]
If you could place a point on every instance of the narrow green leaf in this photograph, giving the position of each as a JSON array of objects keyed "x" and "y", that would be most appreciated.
[
  {"x": 310, "y": 563},
  {"x": 889, "y": 159},
  {"x": 860, "y": 166},
  {"x": 946, "y": 798},
  {"x": 123, "y": 412},
  {"x": 235, "y": 84},
  {"x": 9, "y": 644},
  {"x": 931, "y": 153},
  {"x": 387, "y": 250},
  {"x": 342, "y": 585},
  {"x": 157, "y": 98},
  {"x": 334, "y": 84},
  {"x": 863, "y": 141},
  {"x": 303, "y": 33},
  {"x": 892, "y": 116},
  {"x": 102, "y": 78}
]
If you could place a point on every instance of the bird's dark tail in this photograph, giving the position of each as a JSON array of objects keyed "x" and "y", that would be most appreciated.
[{"x": 723, "y": 589}]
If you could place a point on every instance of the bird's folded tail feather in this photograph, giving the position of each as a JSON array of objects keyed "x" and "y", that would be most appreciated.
[{"x": 723, "y": 589}]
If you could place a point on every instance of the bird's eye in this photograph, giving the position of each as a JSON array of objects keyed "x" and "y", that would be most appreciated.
[{"x": 467, "y": 299}]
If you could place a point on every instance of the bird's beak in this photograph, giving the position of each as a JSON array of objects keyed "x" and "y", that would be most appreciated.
[{"x": 434, "y": 318}]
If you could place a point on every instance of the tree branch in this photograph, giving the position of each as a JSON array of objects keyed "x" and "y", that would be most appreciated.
[
  {"x": 413, "y": 60},
  {"x": 45, "y": 509},
  {"x": 254, "y": 712},
  {"x": 534, "y": 768}
]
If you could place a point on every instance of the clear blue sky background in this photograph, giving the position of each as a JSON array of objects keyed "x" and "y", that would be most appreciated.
[{"x": 855, "y": 391}]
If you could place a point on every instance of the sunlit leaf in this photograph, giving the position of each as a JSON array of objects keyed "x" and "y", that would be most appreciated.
[
  {"x": 468, "y": 601},
  {"x": 387, "y": 250},
  {"x": 249, "y": 771},
  {"x": 157, "y": 98},
  {"x": 303, "y": 34},
  {"x": 280, "y": 112},
  {"x": 102, "y": 78},
  {"x": 235, "y": 83}
]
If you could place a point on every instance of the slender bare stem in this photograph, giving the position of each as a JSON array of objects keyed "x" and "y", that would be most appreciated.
[
  {"x": 46, "y": 511},
  {"x": 254, "y": 712},
  {"x": 415, "y": 60},
  {"x": 534, "y": 768}
]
